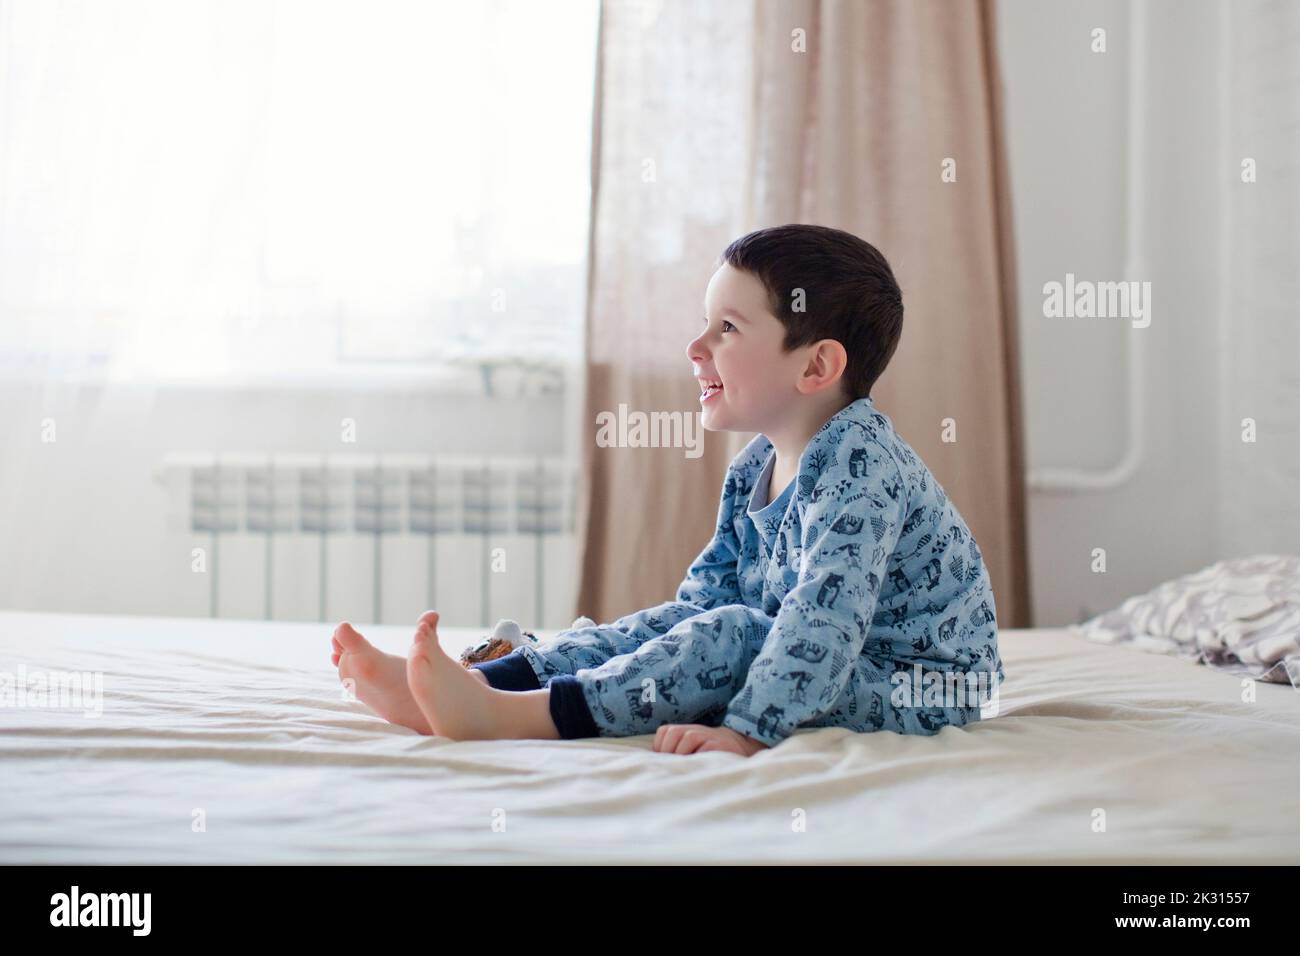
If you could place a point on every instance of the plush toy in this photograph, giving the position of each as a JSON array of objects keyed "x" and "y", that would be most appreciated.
[{"x": 506, "y": 638}]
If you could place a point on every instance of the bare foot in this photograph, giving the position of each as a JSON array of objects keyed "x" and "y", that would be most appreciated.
[
  {"x": 462, "y": 708},
  {"x": 379, "y": 679}
]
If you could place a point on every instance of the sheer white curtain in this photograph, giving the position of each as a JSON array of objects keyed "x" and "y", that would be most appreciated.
[
  {"x": 1259, "y": 347},
  {"x": 192, "y": 188}
]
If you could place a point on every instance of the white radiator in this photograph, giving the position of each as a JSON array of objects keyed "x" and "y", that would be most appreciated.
[{"x": 374, "y": 538}]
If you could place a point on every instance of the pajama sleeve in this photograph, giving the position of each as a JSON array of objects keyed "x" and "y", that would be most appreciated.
[
  {"x": 711, "y": 580},
  {"x": 851, "y": 526}
]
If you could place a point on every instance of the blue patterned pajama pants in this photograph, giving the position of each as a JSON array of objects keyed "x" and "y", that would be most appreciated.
[{"x": 612, "y": 681}]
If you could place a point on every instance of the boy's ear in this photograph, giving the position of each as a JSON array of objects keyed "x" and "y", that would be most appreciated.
[{"x": 826, "y": 364}]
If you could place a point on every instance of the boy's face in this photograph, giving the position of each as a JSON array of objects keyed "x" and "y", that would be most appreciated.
[{"x": 743, "y": 352}]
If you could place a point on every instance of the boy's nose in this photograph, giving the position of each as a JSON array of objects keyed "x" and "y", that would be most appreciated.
[{"x": 694, "y": 351}]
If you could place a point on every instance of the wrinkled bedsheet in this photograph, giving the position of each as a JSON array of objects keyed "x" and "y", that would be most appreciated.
[{"x": 231, "y": 741}]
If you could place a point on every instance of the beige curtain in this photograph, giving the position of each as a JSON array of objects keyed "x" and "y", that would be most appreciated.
[{"x": 713, "y": 118}]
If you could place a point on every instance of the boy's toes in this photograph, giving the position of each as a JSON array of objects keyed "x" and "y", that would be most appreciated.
[
  {"x": 347, "y": 639},
  {"x": 425, "y": 647}
]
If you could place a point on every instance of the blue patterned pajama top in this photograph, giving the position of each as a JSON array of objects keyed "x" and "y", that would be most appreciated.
[{"x": 858, "y": 598}]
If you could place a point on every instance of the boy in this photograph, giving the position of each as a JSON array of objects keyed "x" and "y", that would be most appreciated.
[{"x": 841, "y": 587}]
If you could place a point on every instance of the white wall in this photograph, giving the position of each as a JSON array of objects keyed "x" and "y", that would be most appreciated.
[{"x": 1066, "y": 122}]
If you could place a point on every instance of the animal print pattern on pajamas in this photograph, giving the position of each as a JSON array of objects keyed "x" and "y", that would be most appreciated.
[{"x": 870, "y": 571}]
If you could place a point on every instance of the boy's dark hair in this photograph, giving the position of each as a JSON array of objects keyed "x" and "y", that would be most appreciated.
[{"x": 849, "y": 294}]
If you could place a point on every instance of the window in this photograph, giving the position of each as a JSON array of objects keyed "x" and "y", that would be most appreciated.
[{"x": 208, "y": 189}]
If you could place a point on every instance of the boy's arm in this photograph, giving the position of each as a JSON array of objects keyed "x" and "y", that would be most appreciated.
[
  {"x": 711, "y": 580},
  {"x": 850, "y": 528}
]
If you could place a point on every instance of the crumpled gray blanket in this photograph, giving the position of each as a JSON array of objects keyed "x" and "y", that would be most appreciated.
[{"x": 1241, "y": 615}]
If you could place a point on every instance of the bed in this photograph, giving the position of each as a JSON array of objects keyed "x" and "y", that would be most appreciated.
[{"x": 231, "y": 742}]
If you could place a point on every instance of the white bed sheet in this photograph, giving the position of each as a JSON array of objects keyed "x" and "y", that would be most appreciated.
[{"x": 245, "y": 720}]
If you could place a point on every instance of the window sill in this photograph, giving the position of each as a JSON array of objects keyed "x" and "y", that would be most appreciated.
[{"x": 459, "y": 378}]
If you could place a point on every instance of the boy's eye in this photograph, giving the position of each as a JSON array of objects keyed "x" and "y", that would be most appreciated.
[{"x": 705, "y": 320}]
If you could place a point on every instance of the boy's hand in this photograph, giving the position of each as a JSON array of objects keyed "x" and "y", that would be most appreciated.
[{"x": 696, "y": 738}]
